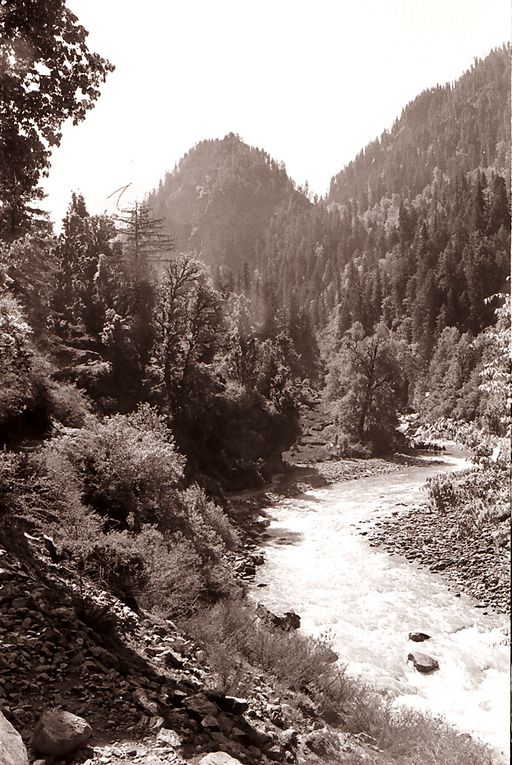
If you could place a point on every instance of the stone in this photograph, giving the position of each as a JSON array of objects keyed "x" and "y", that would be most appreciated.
[
  {"x": 141, "y": 698},
  {"x": 12, "y": 748},
  {"x": 172, "y": 659},
  {"x": 218, "y": 758},
  {"x": 289, "y": 621},
  {"x": 59, "y": 733},
  {"x": 423, "y": 663},
  {"x": 418, "y": 637},
  {"x": 168, "y": 737},
  {"x": 229, "y": 703},
  {"x": 200, "y": 705},
  {"x": 210, "y": 722}
]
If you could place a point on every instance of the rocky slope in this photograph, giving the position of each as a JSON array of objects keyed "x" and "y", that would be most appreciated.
[{"x": 144, "y": 689}]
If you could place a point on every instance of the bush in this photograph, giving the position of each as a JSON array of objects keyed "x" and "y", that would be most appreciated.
[
  {"x": 479, "y": 497},
  {"x": 125, "y": 519},
  {"x": 236, "y": 641},
  {"x": 127, "y": 467},
  {"x": 68, "y": 404}
]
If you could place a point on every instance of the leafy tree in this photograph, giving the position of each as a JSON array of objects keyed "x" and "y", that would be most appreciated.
[
  {"x": 363, "y": 383},
  {"x": 496, "y": 375},
  {"x": 47, "y": 75},
  {"x": 188, "y": 322}
]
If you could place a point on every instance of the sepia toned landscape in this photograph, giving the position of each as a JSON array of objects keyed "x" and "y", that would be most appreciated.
[{"x": 254, "y": 438}]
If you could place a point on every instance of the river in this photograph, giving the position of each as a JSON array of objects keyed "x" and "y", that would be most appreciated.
[{"x": 317, "y": 564}]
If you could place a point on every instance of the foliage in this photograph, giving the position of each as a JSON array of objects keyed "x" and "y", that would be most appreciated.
[
  {"x": 47, "y": 75},
  {"x": 15, "y": 359},
  {"x": 127, "y": 466},
  {"x": 188, "y": 321},
  {"x": 120, "y": 511},
  {"x": 236, "y": 641},
  {"x": 479, "y": 498},
  {"x": 363, "y": 382},
  {"x": 496, "y": 373}
]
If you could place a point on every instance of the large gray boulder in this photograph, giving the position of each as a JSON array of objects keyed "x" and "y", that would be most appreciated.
[
  {"x": 12, "y": 748},
  {"x": 59, "y": 733},
  {"x": 219, "y": 758},
  {"x": 423, "y": 663}
]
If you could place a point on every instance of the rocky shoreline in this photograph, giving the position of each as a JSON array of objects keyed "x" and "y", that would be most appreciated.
[{"x": 473, "y": 565}]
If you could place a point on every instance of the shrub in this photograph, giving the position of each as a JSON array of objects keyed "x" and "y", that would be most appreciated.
[
  {"x": 68, "y": 404},
  {"x": 234, "y": 637},
  {"x": 128, "y": 471},
  {"x": 409, "y": 736}
]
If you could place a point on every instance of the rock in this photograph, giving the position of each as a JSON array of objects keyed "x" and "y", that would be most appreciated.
[
  {"x": 418, "y": 637},
  {"x": 201, "y": 706},
  {"x": 323, "y": 743},
  {"x": 423, "y": 663},
  {"x": 168, "y": 737},
  {"x": 228, "y": 703},
  {"x": 59, "y": 733},
  {"x": 218, "y": 758},
  {"x": 289, "y": 621},
  {"x": 172, "y": 659},
  {"x": 210, "y": 722},
  {"x": 12, "y": 748},
  {"x": 141, "y": 698}
]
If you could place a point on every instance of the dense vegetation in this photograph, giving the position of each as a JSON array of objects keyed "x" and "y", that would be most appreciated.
[
  {"x": 160, "y": 360},
  {"x": 413, "y": 238}
]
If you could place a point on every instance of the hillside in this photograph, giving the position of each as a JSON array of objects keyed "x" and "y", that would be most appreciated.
[
  {"x": 455, "y": 128},
  {"x": 220, "y": 199}
]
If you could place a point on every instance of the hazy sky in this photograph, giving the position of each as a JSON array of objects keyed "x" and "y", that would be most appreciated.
[{"x": 309, "y": 81}]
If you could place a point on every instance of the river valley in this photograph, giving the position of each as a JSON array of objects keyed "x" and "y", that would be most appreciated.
[{"x": 319, "y": 565}]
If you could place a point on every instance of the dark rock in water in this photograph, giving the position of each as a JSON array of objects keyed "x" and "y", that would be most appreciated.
[
  {"x": 59, "y": 733},
  {"x": 423, "y": 663},
  {"x": 12, "y": 748},
  {"x": 418, "y": 637},
  {"x": 289, "y": 621}
]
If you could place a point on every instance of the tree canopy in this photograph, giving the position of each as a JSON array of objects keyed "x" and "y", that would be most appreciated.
[{"x": 47, "y": 75}]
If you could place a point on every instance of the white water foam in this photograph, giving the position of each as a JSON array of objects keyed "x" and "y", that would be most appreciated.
[{"x": 319, "y": 567}]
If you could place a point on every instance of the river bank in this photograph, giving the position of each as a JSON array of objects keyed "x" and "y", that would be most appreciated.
[
  {"x": 474, "y": 563},
  {"x": 368, "y": 601}
]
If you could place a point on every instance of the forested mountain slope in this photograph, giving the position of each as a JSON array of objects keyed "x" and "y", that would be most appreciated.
[
  {"x": 220, "y": 199},
  {"x": 455, "y": 127}
]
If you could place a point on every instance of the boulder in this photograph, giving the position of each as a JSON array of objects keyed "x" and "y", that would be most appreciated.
[
  {"x": 12, "y": 748},
  {"x": 423, "y": 663},
  {"x": 201, "y": 706},
  {"x": 59, "y": 733},
  {"x": 167, "y": 737},
  {"x": 218, "y": 758},
  {"x": 289, "y": 621},
  {"x": 418, "y": 637}
]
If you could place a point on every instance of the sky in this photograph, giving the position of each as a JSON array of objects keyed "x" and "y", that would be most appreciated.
[{"x": 309, "y": 81}]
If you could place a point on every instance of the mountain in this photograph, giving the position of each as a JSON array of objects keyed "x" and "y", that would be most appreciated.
[
  {"x": 415, "y": 230},
  {"x": 220, "y": 199},
  {"x": 437, "y": 179},
  {"x": 454, "y": 127}
]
